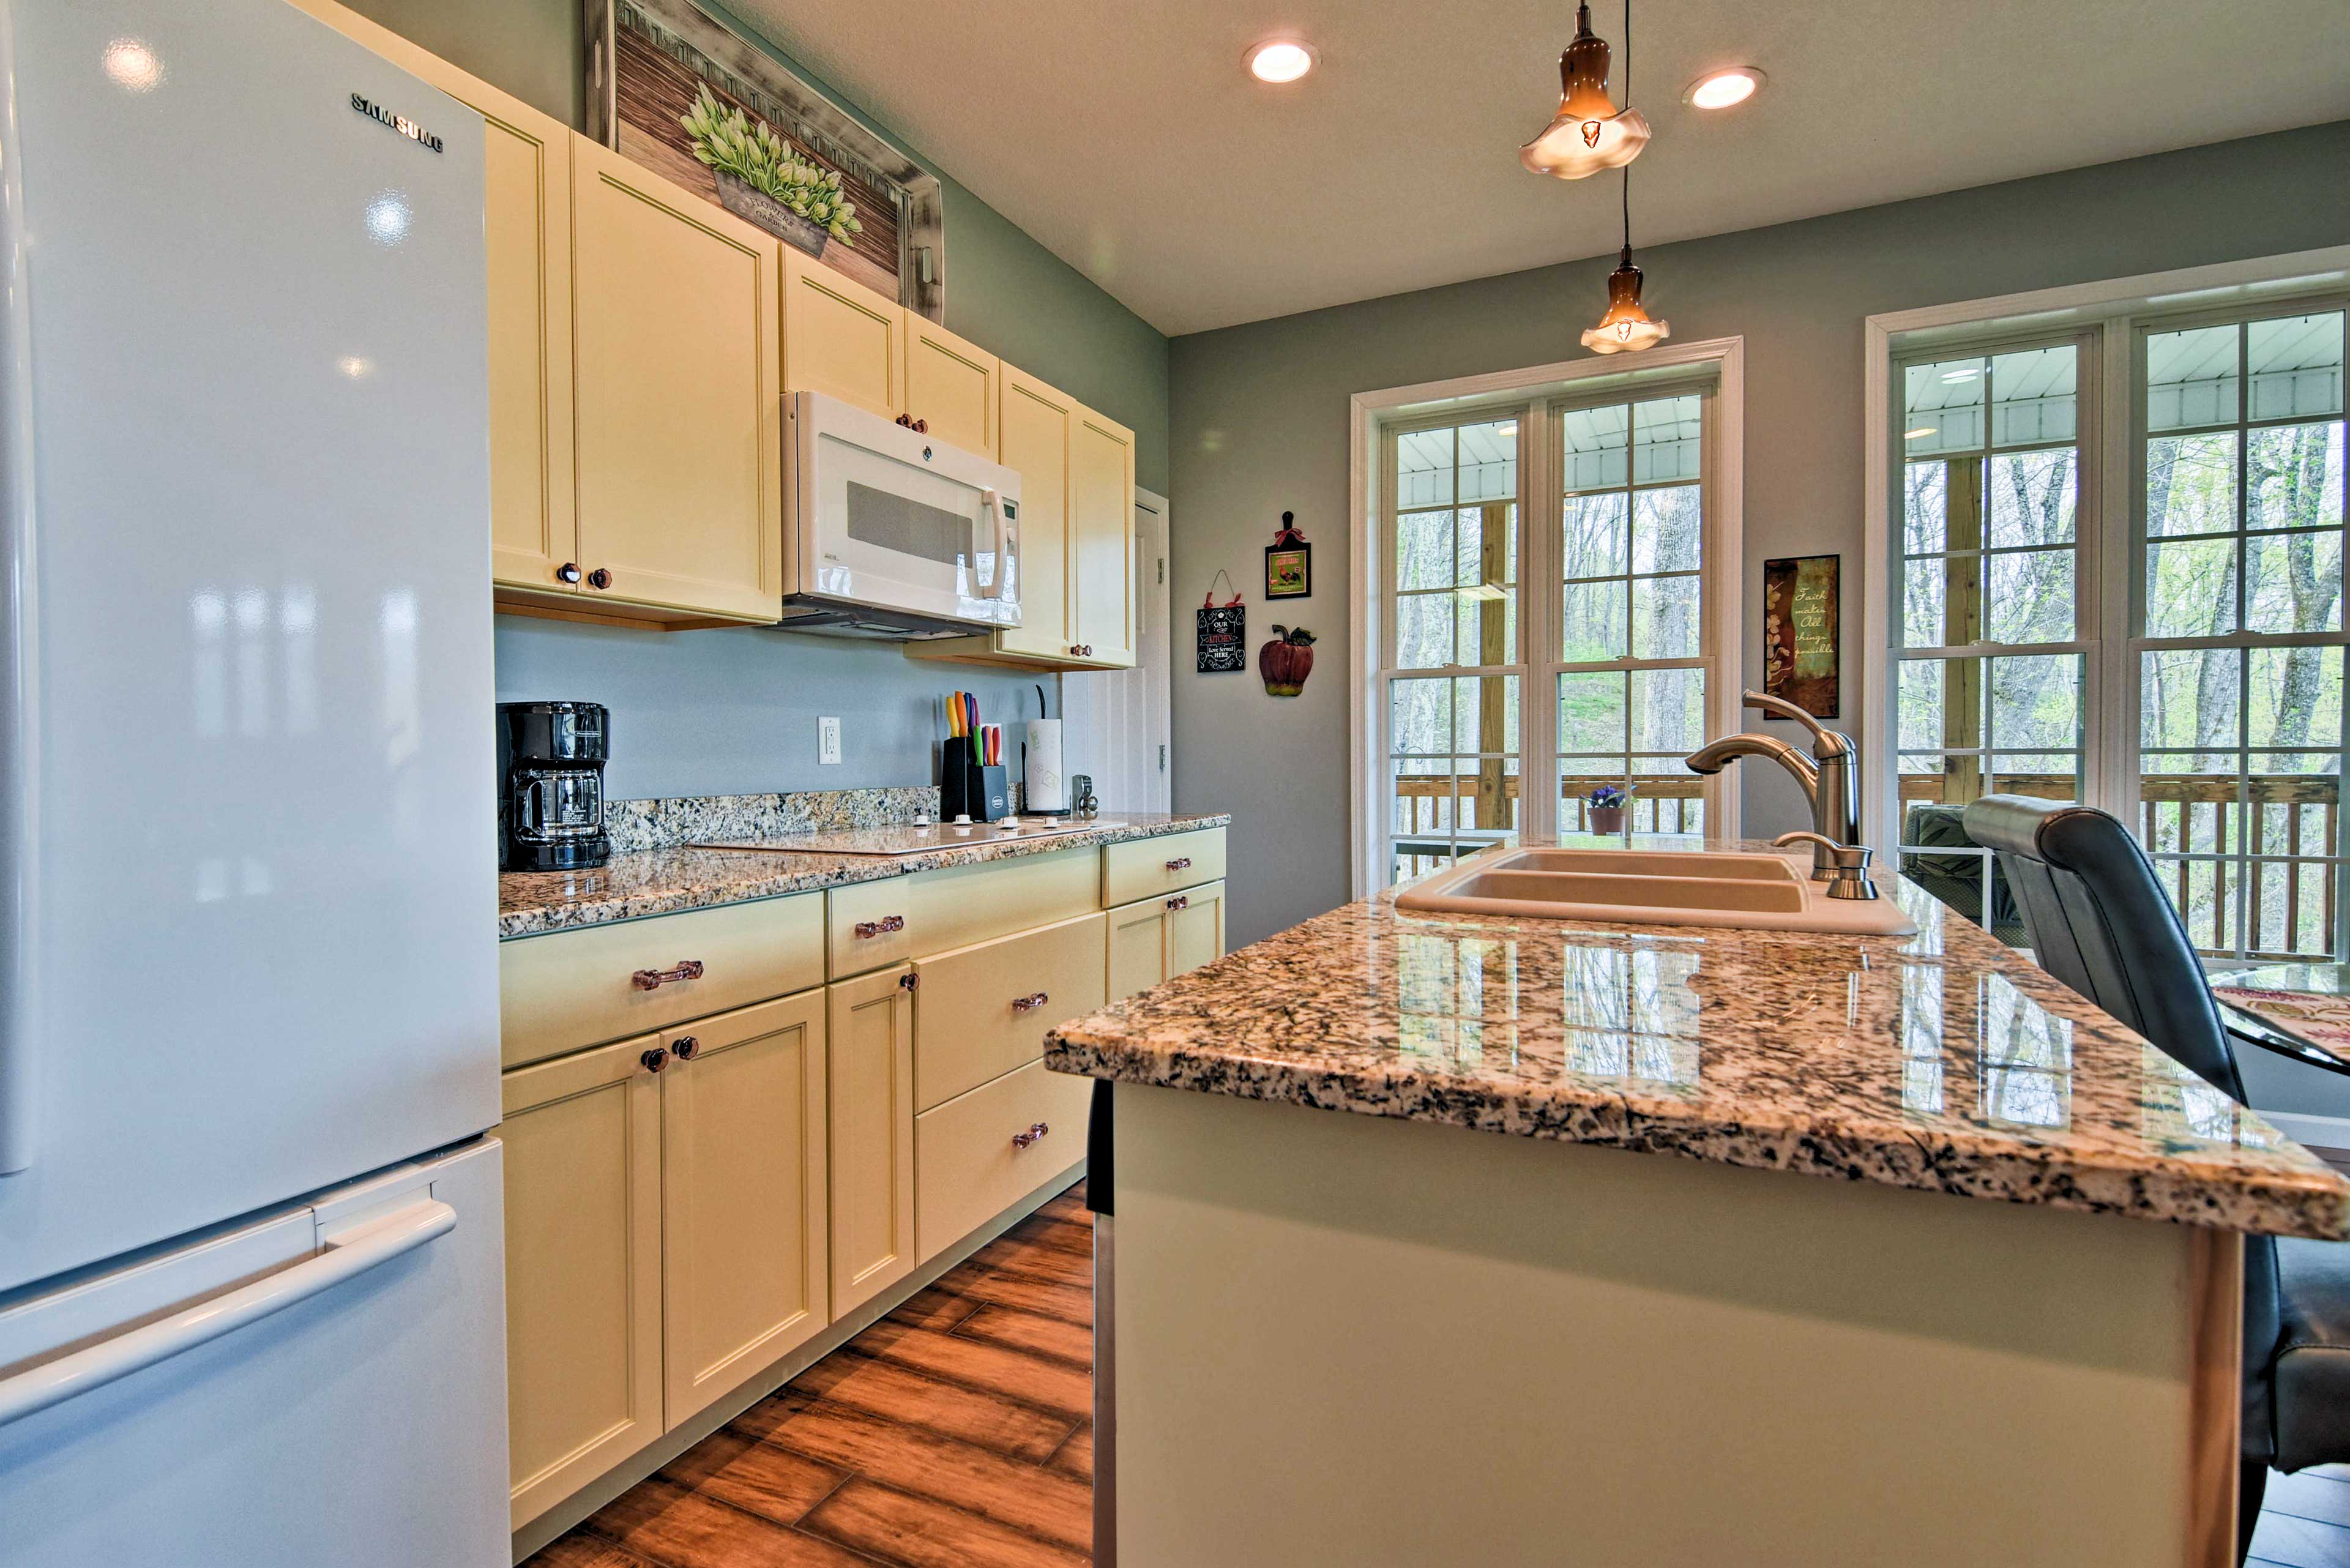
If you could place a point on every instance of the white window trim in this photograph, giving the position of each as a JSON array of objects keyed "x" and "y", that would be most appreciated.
[
  {"x": 2106, "y": 445},
  {"x": 1724, "y": 579}
]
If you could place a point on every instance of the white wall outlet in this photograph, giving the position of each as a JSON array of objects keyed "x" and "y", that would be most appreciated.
[{"x": 827, "y": 740}]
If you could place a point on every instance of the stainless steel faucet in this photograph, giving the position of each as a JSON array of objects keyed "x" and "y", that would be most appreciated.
[{"x": 1830, "y": 776}]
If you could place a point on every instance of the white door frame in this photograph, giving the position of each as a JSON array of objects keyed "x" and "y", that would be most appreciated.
[{"x": 1118, "y": 721}]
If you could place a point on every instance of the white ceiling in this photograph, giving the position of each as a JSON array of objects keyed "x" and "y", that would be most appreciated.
[{"x": 1127, "y": 136}]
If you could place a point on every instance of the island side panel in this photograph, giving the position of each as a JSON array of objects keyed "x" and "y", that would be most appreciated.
[{"x": 1342, "y": 1338}]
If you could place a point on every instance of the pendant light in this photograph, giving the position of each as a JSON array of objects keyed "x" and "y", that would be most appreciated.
[
  {"x": 1625, "y": 329},
  {"x": 1590, "y": 133}
]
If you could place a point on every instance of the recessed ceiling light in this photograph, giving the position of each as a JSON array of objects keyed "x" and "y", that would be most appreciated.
[
  {"x": 1719, "y": 89},
  {"x": 1280, "y": 60}
]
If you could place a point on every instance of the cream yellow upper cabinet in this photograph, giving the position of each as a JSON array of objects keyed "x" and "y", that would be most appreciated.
[
  {"x": 743, "y": 1195},
  {"x": 841, "y": 338},
  {"x": 951, "y": 386},
  {"x": 533, "y": 533},
  {"x": 871, "y": 1083},
  {"x": 1033, "y": 428},
  {"x": 679, "y": 406},
  {"x": 1101, "y": 540},
  {"x": 583, "y": 1189}
]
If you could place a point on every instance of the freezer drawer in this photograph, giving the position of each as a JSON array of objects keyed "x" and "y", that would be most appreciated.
[{"x": 324, "y": 1384}]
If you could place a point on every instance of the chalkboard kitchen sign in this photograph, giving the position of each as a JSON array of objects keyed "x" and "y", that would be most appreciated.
[
  {"x": 1800, "y": 647},
  {"x": 1223, "y": 632}
]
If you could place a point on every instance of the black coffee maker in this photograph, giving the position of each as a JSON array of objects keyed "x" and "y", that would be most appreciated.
[{"x": 551, "y": 786}]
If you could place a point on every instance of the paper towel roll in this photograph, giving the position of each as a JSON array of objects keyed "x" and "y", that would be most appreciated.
[{"x": 1048, "y": 789}]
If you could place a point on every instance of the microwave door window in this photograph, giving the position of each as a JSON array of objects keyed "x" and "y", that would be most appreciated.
[
  {"x": 894, "y": 533},
  {"x": 905, "y": 527}
]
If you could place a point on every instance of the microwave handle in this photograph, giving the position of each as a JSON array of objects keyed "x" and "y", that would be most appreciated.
[{"x": 994, "y": 505}]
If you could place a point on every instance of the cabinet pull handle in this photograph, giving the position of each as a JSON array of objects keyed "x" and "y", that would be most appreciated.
[
  {"x": 654, "y": 1060},
  {"x": 882, "y": 926},
  {"x": 1034, "y": 1134},
  {"x": 654, "y": 979},
  {"x": 568, "y": 571},
  {"x": 1180, "y": 901},
  {"x": 1029, "y": 1004},
  {"x": 1181, "y": 863},
  {"x": 1089, "y": 650},
  {"x": 1076, "y": 650},
  {"x": 909, "y": 981},
  {"x": 684, "y": 1048},
  {"x": 599, "y": 579}
]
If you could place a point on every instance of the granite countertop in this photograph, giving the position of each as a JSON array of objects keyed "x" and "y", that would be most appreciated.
[
  {"x": 1943, "y": 1062},
  {"x": 665, "y": 880}
]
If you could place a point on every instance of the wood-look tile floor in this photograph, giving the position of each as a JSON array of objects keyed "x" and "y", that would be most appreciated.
[{"x": 955, "y": 1433}]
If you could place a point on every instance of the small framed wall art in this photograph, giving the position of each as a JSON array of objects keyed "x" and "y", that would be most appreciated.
[
  {"x": 1289, "y": 563},
  {"x": 1223, "y": 632},
  {"x": 1801, "y": 644}
]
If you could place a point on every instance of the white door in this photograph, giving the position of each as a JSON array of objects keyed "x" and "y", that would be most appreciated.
[
  {"x": 361, "y": 1424},
  {"x": 1119, "y": 720},
  {"x": 250, "y": 816}
]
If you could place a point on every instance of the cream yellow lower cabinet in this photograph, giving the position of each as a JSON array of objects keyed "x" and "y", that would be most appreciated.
[
  {"x": 870, "y": 1044},
  {"x": 743, "y": 1253},
  {"x": 583, "y": 1186},
  {"x": 1158, "y": 938},
  {"x": 982, "y": 1152},
  {"x": 982, "y": 1010}
]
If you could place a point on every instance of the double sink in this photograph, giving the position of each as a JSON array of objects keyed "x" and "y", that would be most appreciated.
[{"x": 1651, "y": 887}]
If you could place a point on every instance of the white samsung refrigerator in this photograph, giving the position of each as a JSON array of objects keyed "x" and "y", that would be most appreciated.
[{"x": 251, "y": 1304}]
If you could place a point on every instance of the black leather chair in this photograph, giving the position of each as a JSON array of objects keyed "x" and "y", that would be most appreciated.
[{"x": 2100, "y": 922}]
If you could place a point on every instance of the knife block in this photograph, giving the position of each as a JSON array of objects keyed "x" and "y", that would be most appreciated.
[{"x": 966, "y": 786}]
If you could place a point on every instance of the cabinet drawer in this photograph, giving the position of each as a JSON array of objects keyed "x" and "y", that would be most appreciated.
[
  {"x": 569, "y": 989},
  {"x": 967, "y": 1169},
  {"x": 934, "y": 911},
  {"x": 969, "y": 1022},
  {"x": 1141, "y": 866}
]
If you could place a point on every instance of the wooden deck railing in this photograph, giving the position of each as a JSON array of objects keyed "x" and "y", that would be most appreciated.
[
  {"x": 2290, "y": 820},
  {"x": 1662, "y": 804}
]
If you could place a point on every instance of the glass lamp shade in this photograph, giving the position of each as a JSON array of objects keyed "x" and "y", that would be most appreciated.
[
  {"x": 1590, "y": 132},
  {"x": 1625, "y": 329}
]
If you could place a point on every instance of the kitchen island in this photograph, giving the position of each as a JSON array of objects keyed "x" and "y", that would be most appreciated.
[{"x": 1473, "y": 1318}]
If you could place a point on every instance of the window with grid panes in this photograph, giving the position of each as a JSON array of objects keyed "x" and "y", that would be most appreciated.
[
  {"x": 1617, "y": 646},
  {"x": 1632, "y": 663},
  {"x": 1990, "y": 658},
  {"x": 1453, "y": 737},
  {"x": 2239, "y": 499},
  {"x": 2225, "y": 544}
]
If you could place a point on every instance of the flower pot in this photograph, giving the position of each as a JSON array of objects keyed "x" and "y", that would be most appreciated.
[
  {"x": 1606, "y": 818},
  {"x": 754, "y": 206}
]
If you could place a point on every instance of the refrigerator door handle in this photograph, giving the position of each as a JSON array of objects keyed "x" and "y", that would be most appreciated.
[{"x": 345, "y": 1257}]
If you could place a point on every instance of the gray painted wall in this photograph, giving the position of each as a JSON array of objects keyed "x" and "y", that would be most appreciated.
[
  {"x": 709, "y": 712},
  {"x": 733, "y": 710},
  {"x": 1260, "y": 426}
]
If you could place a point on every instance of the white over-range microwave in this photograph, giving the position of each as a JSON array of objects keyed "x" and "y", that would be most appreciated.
[{"x": 892, "y": 532}]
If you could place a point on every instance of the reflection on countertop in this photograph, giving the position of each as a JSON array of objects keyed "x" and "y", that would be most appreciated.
[
  {"x": 665, "y": 881},
  {"x": 1944, "y": 1061}
]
